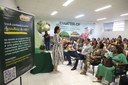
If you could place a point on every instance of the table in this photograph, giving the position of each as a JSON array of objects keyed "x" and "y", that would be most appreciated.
[{"x": 43, "y": 63}]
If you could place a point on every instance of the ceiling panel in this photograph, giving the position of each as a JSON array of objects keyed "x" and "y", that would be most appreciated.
[{"x": 43, "y": 9}]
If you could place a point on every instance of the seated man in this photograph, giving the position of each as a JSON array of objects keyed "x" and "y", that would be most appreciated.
[
  {"x": 42, "y": 61},
  {"x": 75, "y": 54},
  {"x": 85, "y": 53},
  {"x": 71, "y": 51}
]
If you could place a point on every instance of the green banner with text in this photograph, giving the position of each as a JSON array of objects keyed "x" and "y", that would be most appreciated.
[{"x": 16, "y": 44}]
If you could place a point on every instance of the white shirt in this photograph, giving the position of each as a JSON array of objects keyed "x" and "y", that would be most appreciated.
[{"x": 87, "y": 49}]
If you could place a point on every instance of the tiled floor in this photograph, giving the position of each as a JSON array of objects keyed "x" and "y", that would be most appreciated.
[{"x": 65, "y": 77}]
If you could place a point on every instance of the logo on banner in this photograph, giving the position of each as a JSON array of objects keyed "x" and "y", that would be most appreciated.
[{"x": 25, "y": 18}]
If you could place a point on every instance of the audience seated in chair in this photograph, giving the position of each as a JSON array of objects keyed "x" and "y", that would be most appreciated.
[
  {"x": 85, "y": 55},
  {"x": 97, "y": 55},
  {"x": 108, "y": 72},
  {"x": 72, "y": 51}
]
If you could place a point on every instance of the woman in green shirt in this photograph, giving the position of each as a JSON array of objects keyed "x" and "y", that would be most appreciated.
[{"x": 108, "y": 72}]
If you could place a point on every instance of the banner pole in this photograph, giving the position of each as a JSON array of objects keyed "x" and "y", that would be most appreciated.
[{"x": 20, "y": 80}]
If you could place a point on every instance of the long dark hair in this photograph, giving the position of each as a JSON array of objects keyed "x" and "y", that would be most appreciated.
[
  {"x": 46, "y": 33},
  {"x": 119, "y": 49},
  {"x": 56, "y": 28}
]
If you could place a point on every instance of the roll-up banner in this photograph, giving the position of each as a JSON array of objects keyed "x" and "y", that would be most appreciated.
[{"x": 16, "y": 44}]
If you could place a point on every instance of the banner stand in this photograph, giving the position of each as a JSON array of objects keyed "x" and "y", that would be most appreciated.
[
  {"x": 20, "y": 80},
  {"x": 16, "y": 44}
]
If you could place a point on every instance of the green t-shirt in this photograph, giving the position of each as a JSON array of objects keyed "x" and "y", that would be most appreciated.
[{"x": 120, "y": 58}]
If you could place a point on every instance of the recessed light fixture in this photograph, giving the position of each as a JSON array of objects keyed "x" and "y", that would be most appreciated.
[
  {"x": 126, "y": 14},
  {"x": 67, "y": 2},
  {"x": 53, "y": 13},
  {"x": 79, "y": 16},
  {"x": 101, "y": 19},
  {"x": 103, "y": 8}
]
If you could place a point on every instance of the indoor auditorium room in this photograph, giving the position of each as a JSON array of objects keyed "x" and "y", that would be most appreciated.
[{"x": 64, "y": 42}]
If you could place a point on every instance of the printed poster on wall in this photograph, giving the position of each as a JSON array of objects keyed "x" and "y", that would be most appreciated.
[
  {"x": 70, "y": 27},
  {"x": 82, "y": 29},
  {"x": 16, "y": 44}
]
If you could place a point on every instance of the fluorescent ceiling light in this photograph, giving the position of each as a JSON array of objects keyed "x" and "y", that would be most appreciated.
[
  {"x": 126, "y": 14},
  {"x": 79, "y": 16},
  {"x": 53, "y": 13},
  {"x": 67, "y": 2},
  {"x": 101, "y": 19},
  {"x": 103, "y": 8}
]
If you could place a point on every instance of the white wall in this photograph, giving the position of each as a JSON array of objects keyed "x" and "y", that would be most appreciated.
[
  {"x": 8, "y": 3},
  {"x": 99, "y": 31}
]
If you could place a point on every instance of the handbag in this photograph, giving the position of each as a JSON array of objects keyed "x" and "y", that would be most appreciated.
[
  {"x": 107, "y": 62},
  {"x": 123, "y": 80}
]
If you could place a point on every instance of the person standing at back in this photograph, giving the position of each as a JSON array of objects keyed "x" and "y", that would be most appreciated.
[
  {"x": 47, "y": 40},
  {"x": 57, "y": 51}
]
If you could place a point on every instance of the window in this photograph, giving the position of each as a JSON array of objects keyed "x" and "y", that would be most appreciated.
[
  {"x": 108, "y": 26},
  {"x": 114, "y": 26},
  {"x": 118, "y": 26}
]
